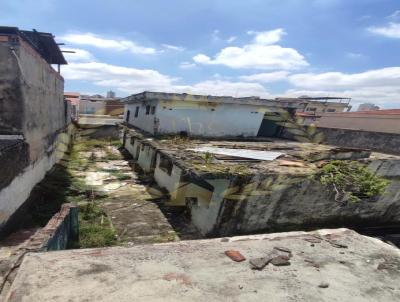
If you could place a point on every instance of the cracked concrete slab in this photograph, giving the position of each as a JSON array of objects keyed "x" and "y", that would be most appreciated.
[{"x": 368, "y": 270}]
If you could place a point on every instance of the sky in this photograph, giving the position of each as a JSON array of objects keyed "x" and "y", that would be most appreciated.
[{"x": 266, "y": 48}]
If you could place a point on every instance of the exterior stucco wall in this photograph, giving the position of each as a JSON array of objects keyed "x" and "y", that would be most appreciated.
[
  {"x": 33, "y": 107},
  {"x": 205, "y": 215},
  {"x": 146, "y": 158},
  {"x": 209, "y": 119},
  {"x": 143, "y": 121},
  {"x": 18, "y": 190},
  {"x": 11, "y": 102},
  {"x": 45, "y": 112}
]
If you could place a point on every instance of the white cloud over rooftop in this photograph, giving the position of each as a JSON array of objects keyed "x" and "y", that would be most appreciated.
[
  {"x": 90, "y": 39},
  {"x": 261, "y": 53}
]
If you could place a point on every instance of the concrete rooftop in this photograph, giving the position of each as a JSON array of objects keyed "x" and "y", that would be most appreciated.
[
  {"x": 326, "y": 265},
  {"x": 299, "y": 158}
]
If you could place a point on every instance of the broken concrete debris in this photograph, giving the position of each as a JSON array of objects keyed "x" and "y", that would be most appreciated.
[
  {"x": 259, "y": 263},
  {"x": 280, "y": 260},
  {"x": 235, "y": 255}
]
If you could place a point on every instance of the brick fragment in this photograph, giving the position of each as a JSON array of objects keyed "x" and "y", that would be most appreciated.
[{"x": 235, "y": 255}]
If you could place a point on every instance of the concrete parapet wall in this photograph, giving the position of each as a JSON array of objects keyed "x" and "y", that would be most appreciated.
[
  {"x": 99, "y": 131},
  {"x": 376, "y": 141},
  {"x": 60, "y": 231}
]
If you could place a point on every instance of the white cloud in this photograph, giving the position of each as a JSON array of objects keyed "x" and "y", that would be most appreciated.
[
  {"x": 126, "y": 79},
  {"x": 227, "y": 88},
  {"x": 187, "y": 65},
  {"x": 91, "y": 39},
  {"x": 337, "y": 80},
  {"x": 231, "y": 39},
  {"x": 78, "y": 55},
  {"x": 268, "y": 37},
  {"x": 395, "y": 15},
  {"x": 380, "y": 86},
  {"x": 133, "y": 80},
  {"x": 201, "y": 59},
  {"x": 392, "y": 30},
  {"x": 266, "y": 77},
  {"x": 259, "y": 54},
  {"x": 355, "y": 55},
  {"x": 173, "y": 47}
]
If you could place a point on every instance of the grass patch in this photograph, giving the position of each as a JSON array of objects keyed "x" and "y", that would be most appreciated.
[
  {"x": 352, "y": 181},
  {"x": 94, "y": 227}
]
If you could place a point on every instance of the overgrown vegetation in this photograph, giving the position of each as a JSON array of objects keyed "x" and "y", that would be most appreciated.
[
  {"x": 352, "y": 181},
  {"x": 64, "y": 184},
  {"x": 208, "y": 158},
  {"x": 94, "y": 227}
]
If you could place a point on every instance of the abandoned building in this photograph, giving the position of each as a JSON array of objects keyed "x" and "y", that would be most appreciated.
[
  {"x": 240, "y": 187},
  {"x": 218, "y": 166},
  {"x": 34, "y": 118},
  {"x": 213, "y": 116}
]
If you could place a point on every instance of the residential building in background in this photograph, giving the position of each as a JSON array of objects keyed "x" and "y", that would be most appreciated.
[
  {"x": 100, "y": 105},
  {"x": 386, "y": 121},
  {"x": 317, "y": 106},
  {"x": 73, "y": 98},
  {"x": 111, "y": 94},
  {"x": 34, "y": 117},
  {"x": 367, "y": 107}
]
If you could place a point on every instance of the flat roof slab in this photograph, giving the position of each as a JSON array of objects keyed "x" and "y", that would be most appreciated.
[{"x": 327, "y": 265}]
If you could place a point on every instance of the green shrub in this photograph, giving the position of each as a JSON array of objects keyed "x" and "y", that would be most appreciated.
[{"x": 352, "y": 180}]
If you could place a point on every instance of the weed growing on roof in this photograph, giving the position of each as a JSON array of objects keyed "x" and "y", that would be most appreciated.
[
  {"x": 95, "y": 229},
  {"x": 352, "y": 181}
]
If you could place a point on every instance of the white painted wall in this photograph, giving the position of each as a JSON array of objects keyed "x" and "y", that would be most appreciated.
[
  {"x": 204, "y": 217},
  {"x": 18, "y": 191},
  {"x": 169, "y": 182},
  {"x": 146, "y": 157},
  {"x": 202, "y": 119},
  {"x": 143, "y": 121}
]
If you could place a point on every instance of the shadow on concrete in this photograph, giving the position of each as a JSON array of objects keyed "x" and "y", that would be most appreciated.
[{"x": 178, "y": 217}]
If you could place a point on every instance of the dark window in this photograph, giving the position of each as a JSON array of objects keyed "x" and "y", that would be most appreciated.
[
  {"x": 311, "y": 109},
  {"x": 165, "y": 164},
  {"x": 153, "y": 110},
  {"x": 128, "y": 113},
  {"x": 330, "y": 110},
  {"x": 147, "y": 109},
  {"x": 132, "y": 140},
  {"x": 137, "y": 111}
]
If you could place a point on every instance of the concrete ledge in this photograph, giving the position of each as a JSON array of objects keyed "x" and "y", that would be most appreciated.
[{"x": 327, "y": 265}]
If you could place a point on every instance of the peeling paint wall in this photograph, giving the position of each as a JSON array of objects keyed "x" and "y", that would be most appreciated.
[
  {"x": 146, "y": 158},
  {"x": 209, "y": 119},
  {"x": 301, "y": 202},
  {"x": 196, "y": 118},
  {"x": 169, "y": 180}
]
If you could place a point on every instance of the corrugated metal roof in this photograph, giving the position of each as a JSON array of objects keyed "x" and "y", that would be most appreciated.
[
  {"x": 244, "y": 153},
  {"x": 43, "y": 43}
]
